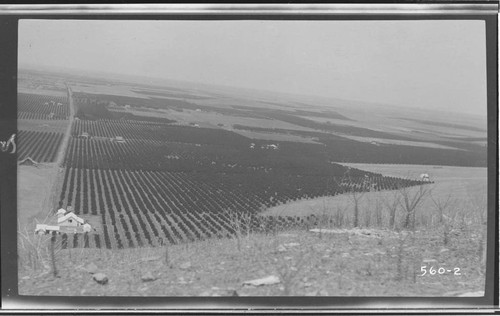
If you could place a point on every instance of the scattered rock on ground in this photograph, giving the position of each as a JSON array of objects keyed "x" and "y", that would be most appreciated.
[
  {"x": 100, "y": 278},
  {"x": 269, "y": 280},
  {"x": 292, "y": 244},
  {"x": 148, "y": 277}
]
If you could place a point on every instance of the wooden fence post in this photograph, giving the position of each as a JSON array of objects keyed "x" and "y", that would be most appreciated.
[{"x": 52, "y": 253}]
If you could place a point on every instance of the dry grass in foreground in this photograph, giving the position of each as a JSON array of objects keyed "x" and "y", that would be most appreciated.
[{"x": 350, "y": 262}]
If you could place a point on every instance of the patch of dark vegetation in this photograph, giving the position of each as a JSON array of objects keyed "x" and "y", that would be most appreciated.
[
  {"x": 284, "y": 131},
  {"x": 117, "y": 115},
  {"x": 324, "y": 114},
  {"x": 330, "y": 127},
  {"x": 343, "y": 150},
  {"x": 171, "y": 94},
  {"x": 95, "y": 106}
]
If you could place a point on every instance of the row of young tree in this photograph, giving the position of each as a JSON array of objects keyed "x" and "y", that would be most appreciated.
[
  {"x": 39, "y": 146},
  {"x": 38, "y": 106},
  {"x": 139, "y": 208}
]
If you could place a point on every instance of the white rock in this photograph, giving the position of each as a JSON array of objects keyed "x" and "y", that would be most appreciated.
[
  {"x": 292, "y": 244},
  {"x": 148, "y": 277},
  {"x": 269, "y": 280},
  {"x": 100, "y": 278}
]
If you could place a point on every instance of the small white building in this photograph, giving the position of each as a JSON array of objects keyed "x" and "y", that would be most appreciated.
[
  {"x": 425, "y": 177},
  {"x": 118, "y": 139},
  {"x": 273, "y": 146}
]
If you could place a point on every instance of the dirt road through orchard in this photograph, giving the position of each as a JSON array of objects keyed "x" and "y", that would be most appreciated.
[{"x": 67, "y": 134}]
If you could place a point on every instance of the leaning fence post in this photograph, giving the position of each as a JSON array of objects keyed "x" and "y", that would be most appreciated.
[{"x": 52, "y": 253}]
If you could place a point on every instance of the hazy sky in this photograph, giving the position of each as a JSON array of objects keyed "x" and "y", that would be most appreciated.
[{"x": 429, "y": 64}]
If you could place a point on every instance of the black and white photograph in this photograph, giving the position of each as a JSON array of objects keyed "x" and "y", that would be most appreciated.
[{"x": 260, "y": 158}]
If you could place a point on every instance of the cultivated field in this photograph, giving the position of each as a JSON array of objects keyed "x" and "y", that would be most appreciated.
[{"x": 174, "y": 170}]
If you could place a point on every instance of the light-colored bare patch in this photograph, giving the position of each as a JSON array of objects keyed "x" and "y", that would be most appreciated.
[
  {"x": 34, "y": 184},
  {"x": 119, "y": 90},
  {"x": 466, "y": 187},
  {"x": 275, "y": 136},
  {"x": 378, "y": 141}
]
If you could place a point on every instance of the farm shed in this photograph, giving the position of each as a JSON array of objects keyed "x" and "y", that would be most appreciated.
[{"x": 70, "y": 219}]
